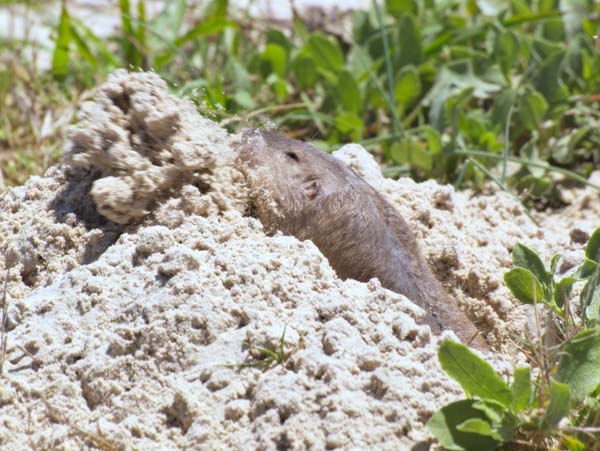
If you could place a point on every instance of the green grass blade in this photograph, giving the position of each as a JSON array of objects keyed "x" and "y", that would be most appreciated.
[
  {"x": 60, "y": 58},
  {"x": 388, "y": 67},
  {"x": 127, "y": 29}
]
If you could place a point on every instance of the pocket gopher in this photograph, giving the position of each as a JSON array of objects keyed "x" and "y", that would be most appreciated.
[{"x": 311, "y": 195}]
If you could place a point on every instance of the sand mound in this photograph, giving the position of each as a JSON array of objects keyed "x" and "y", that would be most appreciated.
[{"x": 123, "y": 331}]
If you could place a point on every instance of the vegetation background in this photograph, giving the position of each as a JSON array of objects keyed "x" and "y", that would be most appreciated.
[{"x": 463, "y": 91}]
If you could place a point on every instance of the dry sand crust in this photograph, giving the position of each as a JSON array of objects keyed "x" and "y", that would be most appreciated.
[{"x": 121, "y": 324}]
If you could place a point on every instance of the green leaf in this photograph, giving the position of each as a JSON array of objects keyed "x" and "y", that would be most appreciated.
[
  {"x": 349, "y": 92},
  {"x": 590, "y": 296},
  {"x": 523, "y": 257},
  {"x": 547, "y": 79},
  {"x": 562, "y": 290},
  {"x": 586, "y": 269},
  {"x": 349, "y": 123},
  {"x": 521, "y": 389},
  {"x": 273, "y": 60},
  {"x": 127, "y": 30},
  {"x": 409, "y": 49},
  {"x": 443, "y": 425},
  {"x": 399, "y": 7},
  {"x": 207, "y": 27},
  {"x": 501, "y": 107},
  {"x": 579, "y": 366},
  {"x": 592, "y": 249},
  {"x": 106, "y": 56},
  {"x": 408, "y": 87},
  {"x": 82, "y": 47},
  {"x": 554, "y": 263},
  {"x": 559, "y": 403},
  {"x": 244, "y": 99},
  {"x": 434, "y": 140},
  {"x": 524, "y": 285},
  {"x": 494, "y": 411},
  {"x": 475, "y": 375},
  {"x": 507, "y": 50},
  {"x": 478, "y": 426},
  {"x": 565, "y": 148},
  {"x": 573, "y": 444},
  {"x": 60, "y": 58},
  {"x": 304, "y": 71},
  {"x": 326, "y": 53},
  {"x": 409, "y": 151},
  {"x": 140, "y": 35},
  {"x": 532, "y": 108}
]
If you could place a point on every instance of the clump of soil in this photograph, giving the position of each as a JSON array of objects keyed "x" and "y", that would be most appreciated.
[{"x": 126, "y": 324}]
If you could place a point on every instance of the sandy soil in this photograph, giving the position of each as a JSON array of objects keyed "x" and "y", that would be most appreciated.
[{"x": 135, "y": 282}]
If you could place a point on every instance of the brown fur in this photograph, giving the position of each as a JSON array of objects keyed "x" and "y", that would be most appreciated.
[{"x": 304, "y": 192}]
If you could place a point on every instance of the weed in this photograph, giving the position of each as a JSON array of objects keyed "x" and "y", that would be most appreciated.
[
  {"x": 560, "y": 404},
  {"x": 265, "y": 359}
]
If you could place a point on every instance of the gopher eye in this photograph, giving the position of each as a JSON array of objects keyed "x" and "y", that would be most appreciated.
[{"x": 293, "y": 156}]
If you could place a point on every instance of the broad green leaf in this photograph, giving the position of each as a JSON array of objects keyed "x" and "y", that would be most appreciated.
[
  {"x": 277, "y": 37},
  {"x": 494, "y": 411},
  {"x": 579, "y": 366},
  {"x": 564, "y": 150},
  {"x": 521, "y": 389},
  {"x": 523, "y": 257},
  {"x": 559, "y": 404},
  {"x": 547, "y": 79},
  {"x": 478, "y": 426},
  {"x": 304, "y": 71},
  {"x": 411, "y": 152},
  {"x": 501, "y": 107},
  {"x": 409, "y": 48},
  {"x": 244, "y": 99},
  {"x": 399, "y": 7},
  {"x": 524, "y": 285},
  {"x": 590, "y": 296},
  {"x": 532, "y": 108},
  {"x": 507, "y": 50},
  {"x": 586, "y": 269},
  {"x": 434, "y": 140},
  {"x": 443, "y": 425},
  {"x": 273, "y": 60},
  {"x": 408, "y": 87},
  {"x": 475, "y": 375},
  {"x": 349, "y": 123},
  {"x": 592, "y": 249},
  {"x": 573, "y": 444},
  {"x": 60, "y": 58},
  {"x": 562, "y": 290},
  {"x": 349, "y": 92},
  {"x": 326, "y": 52}
]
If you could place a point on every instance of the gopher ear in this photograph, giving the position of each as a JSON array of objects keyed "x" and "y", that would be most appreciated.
[{"x": 311, "y": 189}]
